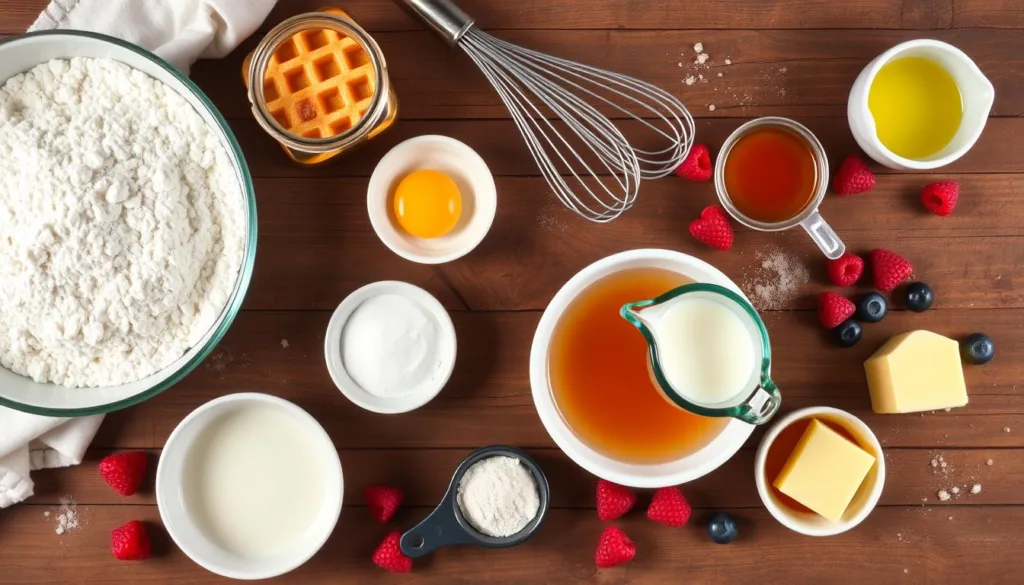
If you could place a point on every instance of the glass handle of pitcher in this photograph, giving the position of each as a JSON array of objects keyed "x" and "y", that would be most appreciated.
[{"x": 762, "y": 404}]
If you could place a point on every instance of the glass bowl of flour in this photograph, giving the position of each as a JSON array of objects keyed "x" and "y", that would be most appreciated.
[{"x": 127, "y": 224}]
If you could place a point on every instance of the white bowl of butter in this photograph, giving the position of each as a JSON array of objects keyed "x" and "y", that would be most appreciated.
[{"x": 249, "y": 486}]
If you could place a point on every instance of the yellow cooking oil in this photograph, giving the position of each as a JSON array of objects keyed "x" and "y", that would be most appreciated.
[{"x": 916, "y": 105}]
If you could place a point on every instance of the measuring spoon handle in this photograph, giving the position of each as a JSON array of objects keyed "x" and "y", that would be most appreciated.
[{"x": 441, "y": 528}]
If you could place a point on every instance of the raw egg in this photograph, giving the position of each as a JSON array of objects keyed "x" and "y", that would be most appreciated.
[{"x": 427, "y": 204}]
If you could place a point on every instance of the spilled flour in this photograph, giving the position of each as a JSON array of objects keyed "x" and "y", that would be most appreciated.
[{"x": 774, "y": 281}]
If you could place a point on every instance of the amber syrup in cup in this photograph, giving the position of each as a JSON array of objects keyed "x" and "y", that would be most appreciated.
[
  {"x": 597, "y": 369},
  {"x": 771, "y": 174},
  {"x": 783, "y": 447}
]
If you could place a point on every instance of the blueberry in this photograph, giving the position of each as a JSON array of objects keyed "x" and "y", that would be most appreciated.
[
  {"x": 848, "y": 333},
  {"x": 978, "y": 349},
  {"x": 872, "y": 308},
  {"x": 722, "y": 528},
  {"x": 919, "y": 297}
]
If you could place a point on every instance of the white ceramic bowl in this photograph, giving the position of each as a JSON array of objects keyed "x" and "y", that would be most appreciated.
[
  {"x": 864, "y": 500},
  {"x": 20, "y": 54},
  {"x": 190, "y": 538},
  {"x": 975, "y": 90},
  {"x": 688, "y": 468},
  {"x": 464, "y": 166},
  {"x": 419, "y": 395}
]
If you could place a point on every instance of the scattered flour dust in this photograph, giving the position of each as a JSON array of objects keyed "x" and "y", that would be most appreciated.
[
  {"x": 65, "y": 515},
  {"x": 498, "y": 496},
  {"x": 121, "y": 224},
  {"x": 775, "y": 279}
]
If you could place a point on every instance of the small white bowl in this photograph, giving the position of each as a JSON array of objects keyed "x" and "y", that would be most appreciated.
[
  {"x": 688, "y": 468},
  {"x": 975, "y": 89},
  {"x": 189, "y": 536},
  {"x": 464, "y": 166},
  {"x": 420, "y": 395},
  {"x": 864, "y": 500}
]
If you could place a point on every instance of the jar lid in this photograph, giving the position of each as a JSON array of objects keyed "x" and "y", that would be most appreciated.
[{"x": 317, "y": 81}]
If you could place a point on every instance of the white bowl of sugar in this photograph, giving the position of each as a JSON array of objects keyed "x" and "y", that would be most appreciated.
[{"x": 390, "y": 347}]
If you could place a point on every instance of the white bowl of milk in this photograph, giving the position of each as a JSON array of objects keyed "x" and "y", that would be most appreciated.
[
  {"x": 642, "y": 475},
  {"x": 249, "y": 486}
]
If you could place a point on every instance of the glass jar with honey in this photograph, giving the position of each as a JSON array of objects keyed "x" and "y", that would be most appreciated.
[{"x": 325, "y": 86}]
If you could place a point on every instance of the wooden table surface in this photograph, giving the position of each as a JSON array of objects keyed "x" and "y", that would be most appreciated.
[{"x": 793, "y": 58}]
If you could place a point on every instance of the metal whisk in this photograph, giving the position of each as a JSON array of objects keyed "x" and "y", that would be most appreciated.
[{"x": 592, "y": 168}]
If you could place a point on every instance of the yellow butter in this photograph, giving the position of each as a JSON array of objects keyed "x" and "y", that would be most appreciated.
[
  {"x": 824, "y": 471},
  {"x": 914, "y": 372}
]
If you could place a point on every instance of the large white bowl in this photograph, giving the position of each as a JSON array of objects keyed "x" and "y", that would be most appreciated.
[
  {"x": 688, "y": 468},
  {"x": 20, "y": 54}
]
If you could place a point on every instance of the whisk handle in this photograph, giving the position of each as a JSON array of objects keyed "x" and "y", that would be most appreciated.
[{"x": 443, "y": 17}]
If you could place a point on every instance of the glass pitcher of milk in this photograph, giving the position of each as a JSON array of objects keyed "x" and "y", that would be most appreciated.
[{"x": 709, "y": 352}]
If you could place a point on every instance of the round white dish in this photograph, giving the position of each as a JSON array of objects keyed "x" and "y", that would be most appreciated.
[
  {"x": 863, "y": 502},
  {"x": 976, "y": 90},
  {"x": 471, "y": 175},
  {"x": 683, "y": 470},
  {"x": 418, "y": 396},
  {"x": 188, "y": 535},
  {"x": 24, "y": 52}
]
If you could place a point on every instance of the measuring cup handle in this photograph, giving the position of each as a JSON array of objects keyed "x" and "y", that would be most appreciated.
[
  {"x": 763, "y": 404},
  {"x": 824, "y": 236},
  {"x": 441, "y": 528}
]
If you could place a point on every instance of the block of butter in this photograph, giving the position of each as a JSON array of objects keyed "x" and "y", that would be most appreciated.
[
  {"x": 914, "y": 372},
  {"x": 824, "y": 471}
]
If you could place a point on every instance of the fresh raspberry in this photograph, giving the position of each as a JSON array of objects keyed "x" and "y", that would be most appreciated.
[
  {"x": 940, "y": 198},
  {"x": 130, "y": 542},
  {"x": 853, "y": 177},
  {"x": 614, "y": 548},
  {"x": 124, "y": 471},
  {"x": 845, "y": 270},
  {"x": 389, "y": 554},
  {"x": 669, "y": 507},
  {"x": 697, "y": 164},
  {"x": 382, "y": 501},
  {"x": 889, "y": 269},
  {"x": 833, "y": 309},
  {"x": 713, "y": 228},
  {"x": 613, "y": 500}
]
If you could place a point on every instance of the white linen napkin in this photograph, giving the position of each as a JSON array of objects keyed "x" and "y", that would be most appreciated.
[{"x": 179, "y": 31}]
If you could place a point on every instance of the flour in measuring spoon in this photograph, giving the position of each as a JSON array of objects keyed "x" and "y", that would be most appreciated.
[{"x": 121, "y": 224}]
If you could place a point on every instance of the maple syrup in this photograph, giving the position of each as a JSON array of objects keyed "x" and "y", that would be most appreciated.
[
  {"x": 771, "y": 174},
  {"x": 597, "y": 370},
  {"x": 784, "y": 445}
]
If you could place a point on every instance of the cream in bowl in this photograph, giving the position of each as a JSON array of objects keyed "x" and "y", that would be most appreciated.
[
  {"x": 249, "y": 486},
  {"x": 592, "y": 387},
  {"x": 431, "y": 199},
  {"x": 820, "y": 471},
  {"x": 390, "y": 347}
]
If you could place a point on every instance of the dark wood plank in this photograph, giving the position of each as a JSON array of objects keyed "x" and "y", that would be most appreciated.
[
  {"x": 988, "y": 13},
  {"x": 488, "y": 399},
  {"x": 424, "y": 474},
  {"x": 499, "y": 143},
  {"x": 320, "y": 227},
  {"x": 921, "y": 546},
  {"x": 799, "y": 73},
  {"x": 383, "y": 15}
]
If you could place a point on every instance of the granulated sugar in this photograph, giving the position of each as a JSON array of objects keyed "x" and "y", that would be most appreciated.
[
  {"x": 976, "y": 489},
  {"x": 775, "y": 279},
  {"x": 943, "y": 495},
  {"x": 66, "y": 515}
]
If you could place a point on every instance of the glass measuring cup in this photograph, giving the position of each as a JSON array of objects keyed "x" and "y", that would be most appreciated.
[
  {"x": 759, "y": 399},
  {"x": 446, "y": 525}
]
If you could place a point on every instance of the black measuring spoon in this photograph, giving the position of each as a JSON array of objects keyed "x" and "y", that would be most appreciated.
[{"x": 446, "y": 525}]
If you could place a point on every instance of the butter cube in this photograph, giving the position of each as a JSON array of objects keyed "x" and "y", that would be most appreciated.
[
  {"x": 914, "y": 372},
  {"x": 824, "y": 471}
]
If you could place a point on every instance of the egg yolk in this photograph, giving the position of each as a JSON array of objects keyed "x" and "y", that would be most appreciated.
[{"x": 427, "y": 204}]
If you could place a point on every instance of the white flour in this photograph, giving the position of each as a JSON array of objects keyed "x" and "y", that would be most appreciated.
[
  {"x": 121, "y": 224},
  {"x": 498, "y": 496}
]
